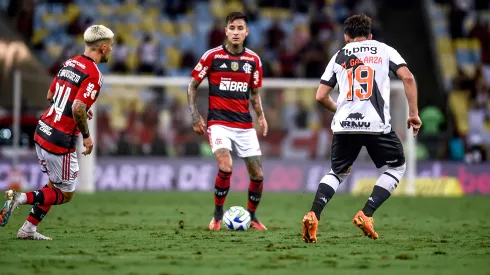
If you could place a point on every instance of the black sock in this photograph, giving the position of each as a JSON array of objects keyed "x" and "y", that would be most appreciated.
[
  {"x": 218, "y": 212},
  {"x": 38, "y": 213},
  {"x": 378, "y": 196},
  {"x": 254, "y": 196},
  {"x": 252, "y": 215},
  {"x": 323, "y": 195}
]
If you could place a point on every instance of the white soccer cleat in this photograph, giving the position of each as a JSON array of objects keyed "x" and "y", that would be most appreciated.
[
  {"x": 24, "y": 235},
  {"x": 10, "y": 205}
]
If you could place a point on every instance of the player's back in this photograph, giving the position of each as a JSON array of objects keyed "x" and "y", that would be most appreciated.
[
  {"x": 78, "y": 78},
  {"x": 362, "y": 71}
]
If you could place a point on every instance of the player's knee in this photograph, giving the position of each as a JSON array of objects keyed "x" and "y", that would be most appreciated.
[
  {"x": 257, "y": 175},
  {"x": 340, "y": 177},
  {"x": 333, "y": 179},
  {"x": 391, "y": 178},
  {"x": 225, "y": 166},
  {"x": 67, "y": 196},
  {"x": 397, "y": 172}
]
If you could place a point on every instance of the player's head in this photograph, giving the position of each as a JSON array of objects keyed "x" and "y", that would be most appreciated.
[
  {"x": 357, "y": 27},
  {"x": 236, "y": 28},
  {"x": 99, "y": 40}
]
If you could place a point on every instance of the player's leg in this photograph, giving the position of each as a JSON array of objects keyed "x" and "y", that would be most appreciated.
[
  {"x": 384, "y": 150},
  {"x": 345, "y": 149},
  {"x": 62, "y": 169},
  {"x": 221, "y": 147},
  {"x": 255, "y": 187},
  {"x": 248, "y": 148},
  {"x": 39, "y": 212}
]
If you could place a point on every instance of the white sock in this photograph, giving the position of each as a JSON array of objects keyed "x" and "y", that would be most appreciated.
[
  {"x": 334, "y": 180},
  {"x": 29, "y": 227},
  {"x": 22, "y": 199}
]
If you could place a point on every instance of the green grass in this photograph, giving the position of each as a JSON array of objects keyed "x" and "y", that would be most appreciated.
[{"x": 165, "y": 233}]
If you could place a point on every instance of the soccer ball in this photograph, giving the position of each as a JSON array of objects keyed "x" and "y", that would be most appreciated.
[{"x": 237, "y": 218}]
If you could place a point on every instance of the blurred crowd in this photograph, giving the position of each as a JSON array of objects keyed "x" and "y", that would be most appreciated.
[
  {"x": 294, "y": 38},
  {"x": 464, "y": 26},
  {"x": 159, "y": 37}
]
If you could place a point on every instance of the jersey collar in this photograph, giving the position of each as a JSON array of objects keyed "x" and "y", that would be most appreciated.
[
  {"x": 83, "y": 55},
  {"x": 233, "y": 54}
]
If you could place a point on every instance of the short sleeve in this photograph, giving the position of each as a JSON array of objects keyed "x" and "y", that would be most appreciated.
[
  {"x": 396, "y": 60},
  {"x": 329, "y": 77},
  {"x": 257, "y": 76},
  {"x": 202, "y": 68},
  {"x": 89, "y": 90}
]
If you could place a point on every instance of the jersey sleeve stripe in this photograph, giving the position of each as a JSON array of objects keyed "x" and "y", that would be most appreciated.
[
  {"x": 331, "y": 82},
  {"x": 394, "y": 67},
  {"x": 206, "y": 54},
  {"x": 100, "y": 74},
  {"x": 254, "y": 54}
]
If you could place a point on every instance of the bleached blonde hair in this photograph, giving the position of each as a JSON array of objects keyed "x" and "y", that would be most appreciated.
[{"x": 96, "y": 33}]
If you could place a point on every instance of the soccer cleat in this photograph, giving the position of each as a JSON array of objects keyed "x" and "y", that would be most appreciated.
[
  {"x": 366, "y": 224},
  {"x": 24, "y": 235},
  {"x": 257, "y": 225},
  {"x": 10, "y": 205},
  {"x": 214, "y": 225},
  {"x": 310, "y": 226}
]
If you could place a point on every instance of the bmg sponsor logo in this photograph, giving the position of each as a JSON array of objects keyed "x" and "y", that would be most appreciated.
[{"x": 362, "y": 49}]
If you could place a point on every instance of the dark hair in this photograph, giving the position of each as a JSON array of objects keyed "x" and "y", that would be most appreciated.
[
  {"x": 235, "y": 16},
  {"x": 358, "y": 25}
]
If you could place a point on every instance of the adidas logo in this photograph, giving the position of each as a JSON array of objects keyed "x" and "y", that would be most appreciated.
[{"x": 224, "y": 66}]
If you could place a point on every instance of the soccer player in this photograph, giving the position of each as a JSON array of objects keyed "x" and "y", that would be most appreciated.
[
  {"x": 72, "y": 92},
  {"x": 362, "y": 118},
  {"x": 235, "y": 76}
]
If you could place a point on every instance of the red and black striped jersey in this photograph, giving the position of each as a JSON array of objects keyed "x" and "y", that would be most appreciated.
[
  {"x": 78, "y": 78},
  {"x": 231, "y": 78}
]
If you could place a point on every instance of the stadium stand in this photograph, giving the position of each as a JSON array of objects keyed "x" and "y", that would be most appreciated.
[{"x": 462, "y": 34}]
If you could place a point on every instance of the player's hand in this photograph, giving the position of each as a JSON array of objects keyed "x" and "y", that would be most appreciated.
[
  {"x": 199, "y": 126},
  {"x": 415, "y": 122},
  {"x": 89, "y": 145},
  {"x": 90, "y": 114},
  {"x": 263, "y": 123}
]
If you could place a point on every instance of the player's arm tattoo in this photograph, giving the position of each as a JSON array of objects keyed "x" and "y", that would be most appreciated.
[
  {"x": 254, "y": 167},
  {"x": 191, "y": 99},
  {"x": 256, "y": 102},
  {"x": 79, "y": 110}
]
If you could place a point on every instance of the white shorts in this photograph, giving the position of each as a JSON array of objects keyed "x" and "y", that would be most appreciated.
[
  {"x": 244, "y": 140},
  {"x": 61, "y": 169}
]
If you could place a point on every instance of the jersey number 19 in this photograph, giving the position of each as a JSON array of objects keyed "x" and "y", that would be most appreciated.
[{"x": 364, "y": 76}]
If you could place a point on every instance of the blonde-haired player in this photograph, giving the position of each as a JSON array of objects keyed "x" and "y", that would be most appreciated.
[{"x": 71, "y": 94}]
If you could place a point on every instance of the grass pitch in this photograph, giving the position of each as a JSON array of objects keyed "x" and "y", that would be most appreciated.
[{"x": 165, "y": 233}]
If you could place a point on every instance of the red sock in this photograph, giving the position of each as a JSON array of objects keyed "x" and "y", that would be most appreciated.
[
  {"x": 221, "y": 187},
  {"x": 45, "y": 196},
  {"x": 254, "y": 194},
  {"x": 38, "y": 213}
]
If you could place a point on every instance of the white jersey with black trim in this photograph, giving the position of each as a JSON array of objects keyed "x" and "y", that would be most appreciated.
[{"x": 362, "y": 71}]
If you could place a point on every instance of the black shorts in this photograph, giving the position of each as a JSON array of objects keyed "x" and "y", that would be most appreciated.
[{"x": 385, "y": 149}]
